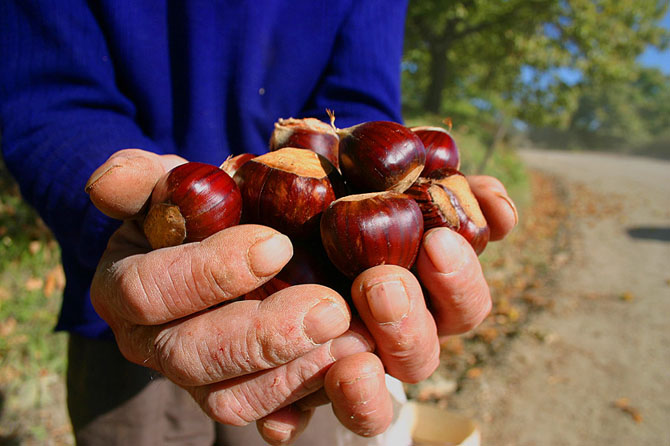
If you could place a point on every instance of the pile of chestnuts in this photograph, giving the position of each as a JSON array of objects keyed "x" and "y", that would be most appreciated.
[{"x": 350, "y": 198}]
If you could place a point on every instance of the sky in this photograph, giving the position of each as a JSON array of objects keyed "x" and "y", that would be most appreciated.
[{"x": 655, "y": 58}]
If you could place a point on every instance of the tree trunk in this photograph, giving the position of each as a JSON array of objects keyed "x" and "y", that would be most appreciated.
[
  {"x": 437, "y": 72},
  {"x": 497, "y": 139}
]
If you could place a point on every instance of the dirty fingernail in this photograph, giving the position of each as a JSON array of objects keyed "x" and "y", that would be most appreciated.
[
  {"x": 445, "y": 250},
  {"x": 277, "y": 431},
  {"x": 268, "y": 256},
  {"x": 325, "y": 321},
  {"x": 97, "y": 174},
  {"x": 388, "y": 301}
]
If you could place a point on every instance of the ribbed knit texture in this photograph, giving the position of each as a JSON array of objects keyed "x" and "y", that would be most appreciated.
[{"x": 201, "y": 78}]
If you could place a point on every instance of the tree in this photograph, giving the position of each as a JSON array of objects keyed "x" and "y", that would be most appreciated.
[{"x": 511, "y": 56}]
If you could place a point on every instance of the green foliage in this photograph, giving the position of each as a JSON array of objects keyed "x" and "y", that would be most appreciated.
[
  {"x": 626, "y": 116},
  {"x": 32, "y": 356},
  {"x": 488, "y": 61}
]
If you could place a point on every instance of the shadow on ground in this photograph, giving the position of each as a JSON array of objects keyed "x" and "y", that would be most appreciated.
[{"x": 650, "y": 233}]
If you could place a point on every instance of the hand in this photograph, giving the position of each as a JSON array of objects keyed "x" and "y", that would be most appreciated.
[
  {"x": 392, "y": 306},
  {"x": 175, "y": 309}
]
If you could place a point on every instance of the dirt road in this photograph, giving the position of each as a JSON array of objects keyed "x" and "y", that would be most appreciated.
[{"x": 594, "y": 369}]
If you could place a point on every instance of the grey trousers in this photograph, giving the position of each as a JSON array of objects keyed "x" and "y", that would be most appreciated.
[{"x": 113, "y": 402}]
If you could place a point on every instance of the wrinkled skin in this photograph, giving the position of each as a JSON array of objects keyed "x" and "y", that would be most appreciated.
[{"x": 272, "y": 361}]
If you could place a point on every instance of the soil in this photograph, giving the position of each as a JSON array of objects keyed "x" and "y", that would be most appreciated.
[{"x": 586, "y": 358}]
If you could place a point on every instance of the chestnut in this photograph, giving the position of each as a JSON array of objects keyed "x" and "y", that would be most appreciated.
[
  {"x": 307, "y": 133},
  {"x": 288, "y": 189},
  {"x": 380, "y": 155},
  {"x": 365, "y": 230},
  {"x": 189, "y": 203},
  {"x": 233, "y": 163},
  {"x": 441, "y": 149},
  {"x": 445, "y": 199}
]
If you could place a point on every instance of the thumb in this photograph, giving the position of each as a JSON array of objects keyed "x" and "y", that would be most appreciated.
[{"x": 122, "y": 185}]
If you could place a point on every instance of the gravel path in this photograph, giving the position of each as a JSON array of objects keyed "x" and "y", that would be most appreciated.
[{"x": 594, "y": 369}]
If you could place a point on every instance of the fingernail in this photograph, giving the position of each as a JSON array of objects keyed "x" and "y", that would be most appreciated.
[
  {"x": 388, "y": 301},
  {"x": 362, "y": 389},
  {"x": 511, "y": 204},
  {"x": 96, "y": 175},
  {"x": 277, "y": 431},
  {"x": 325, "y": 321},
  {"x": 347, "y": 345},
  {"x": 445, "y": 250},
  {"x": 268, "y": 256}
]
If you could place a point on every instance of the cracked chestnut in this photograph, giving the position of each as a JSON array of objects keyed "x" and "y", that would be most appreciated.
[
  {"x": 306, "y": 133},
  {"x": 446, "y": 200},
  {"x": 366, "y": 230},
  {"x": 380, "y": 155},
  {"x": 288, "y": 189},
  {"x": 189, "y": 203},
  {"x": 233, "y": 163}
]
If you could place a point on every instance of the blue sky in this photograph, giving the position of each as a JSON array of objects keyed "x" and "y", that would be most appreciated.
[{"x": 655, "y": 58}]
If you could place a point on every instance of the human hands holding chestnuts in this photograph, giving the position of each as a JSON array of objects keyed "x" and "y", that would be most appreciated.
[{"x": 177, "y": 309}]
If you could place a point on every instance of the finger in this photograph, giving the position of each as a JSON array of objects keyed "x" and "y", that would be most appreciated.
[
  {"x": 450, "y": 271},
  {"x": 284, "y": 425},
  {"x": 122, "y": 185},
  {"x": 356, "y": 386},
  {"x": 313, "y": 400},
  {"x": 241, "y": 338},
  {"x": 242, "y": 400},
  {"x": 390, "y": 302},
  {"x": 171, "y": 283},
  {"x": 498, "y": 208}
]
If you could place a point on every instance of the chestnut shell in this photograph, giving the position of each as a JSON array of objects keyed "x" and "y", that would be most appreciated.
[
  {"x": 446, "y": 200},
  {"x": 306, "y": 133}
]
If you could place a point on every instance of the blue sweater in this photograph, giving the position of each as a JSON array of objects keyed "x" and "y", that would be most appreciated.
[{"x": 201, "y": 78}]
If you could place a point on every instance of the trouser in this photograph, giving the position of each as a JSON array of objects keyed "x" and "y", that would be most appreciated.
[{"x": 115, "y": 402}]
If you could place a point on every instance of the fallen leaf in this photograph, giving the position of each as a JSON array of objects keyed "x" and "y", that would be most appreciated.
[
  {"x": 34, "y": 247},
  {"x": 623, "y": 404},
  {"x": 627, "y": 296},
  {"x": 55, "y": 281},
  {"x": 488, "y": 334},
  {"x": 453, "y": 345},
  {"x": 474, "y": 373},
  {"x": 7, "y": 326},
  {"x": 33, "y": 284}
]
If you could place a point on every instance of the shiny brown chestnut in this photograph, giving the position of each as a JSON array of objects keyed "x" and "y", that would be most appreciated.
[
  {"x": 380, "y": 155},
  {"x": 441, "y": 149},
  {"x": 189, "y": 203},
  {"x": 445, "y": 199},
  {"x": 366, "y": 230},
  {"x": 307, "y": 133},
  {"x": 233, "y": 163},
  {"x": 288, "y": 189}
]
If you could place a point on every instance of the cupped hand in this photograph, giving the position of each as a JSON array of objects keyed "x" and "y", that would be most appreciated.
[
  {"x": 176, "y": 309},
  {"x": 407, "y": 321}
]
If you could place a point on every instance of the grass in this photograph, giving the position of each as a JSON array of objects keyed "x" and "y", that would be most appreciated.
[{"x": 32, "y": 355}]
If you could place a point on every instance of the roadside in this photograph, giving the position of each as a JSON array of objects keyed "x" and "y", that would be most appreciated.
[{"x": 592, "y": 368}]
